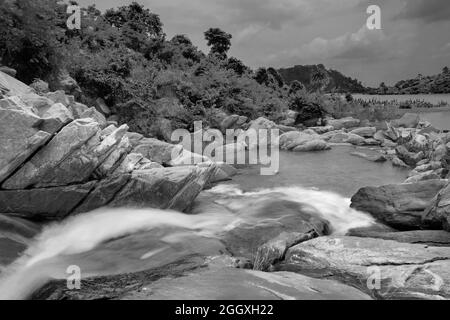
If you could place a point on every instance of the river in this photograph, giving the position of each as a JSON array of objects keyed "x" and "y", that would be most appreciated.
[
  {"x": 112, "y": 241},
  {"x": 116, "y": 241}
]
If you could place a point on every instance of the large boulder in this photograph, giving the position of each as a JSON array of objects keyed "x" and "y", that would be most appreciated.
[
  {"x": 199, "y": 279},
  {"x": 12, "y": 86},
  {"x": 166, "y": 188},
  {"x": 410, "y": 158},
  {"x": 400, "y": 206},
  {"x": 344, "y": 123},
  {"x": 313, "y": 145},
  {"x": 386, "y": 269},
  {"x": 236, "y": 284},
  {"x": 158, "y": 151},
  {"x": 365, "y": 132},
  {"x": 269, "y": 219},
  {"x": 70, "y": 157},
  {"x": 20, "y": 136},
  {"x": 233, "y": 122},
  {"x": 437, "y": 215},
  {"x": 302, "y": 141},
  {"x": 408, "y": 120},
  {"x": 347, "y": 138}
]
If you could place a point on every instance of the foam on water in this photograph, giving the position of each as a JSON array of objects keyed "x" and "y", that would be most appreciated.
[{"x": 83, "y": 233}]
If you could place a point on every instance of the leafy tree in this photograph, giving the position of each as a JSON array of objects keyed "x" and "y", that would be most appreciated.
[
  {"x": 136, "y": 24},
  {"x": 30, "y": 38},
  {"x": 237, "y": 66},
  {"x": 261, "y": 76},
  {"x": 445, "y": 70},
  {"x": 276, "y": 77},
  {"x": 219, "y": 41},
  {"x": 295, "y": 87}
]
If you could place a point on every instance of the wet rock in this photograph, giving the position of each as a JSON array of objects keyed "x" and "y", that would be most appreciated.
[
  {"x": 400, "y": 206},
  {"x": 270, "y": 218},
  {"x": 403, "y": 270},
  {"x": 44, "y": 204},
  {"x": 437, "y": 215},
  {"x": 195, "y": 279},
  {"x": 238, "y": 284},
  {"x": 275, "y": 249}
]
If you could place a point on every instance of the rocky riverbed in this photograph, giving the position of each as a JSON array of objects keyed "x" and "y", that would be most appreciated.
[{"x": 77, "y": 189}]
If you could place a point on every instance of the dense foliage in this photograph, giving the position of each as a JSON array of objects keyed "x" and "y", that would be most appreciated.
[{"x": 153, "y": 83}]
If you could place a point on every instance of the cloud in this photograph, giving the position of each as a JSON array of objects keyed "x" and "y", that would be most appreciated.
[
  {"x": 427, "y": 11},
  {"x": 364, "y": 44}
]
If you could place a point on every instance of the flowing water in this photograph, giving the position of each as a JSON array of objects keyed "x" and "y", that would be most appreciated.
[{"x": 115, "y": 241}]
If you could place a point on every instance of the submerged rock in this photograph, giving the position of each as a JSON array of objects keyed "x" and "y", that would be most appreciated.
[
  {"x": 373, "y": 158},
  {"x": 271, "y": 218}
]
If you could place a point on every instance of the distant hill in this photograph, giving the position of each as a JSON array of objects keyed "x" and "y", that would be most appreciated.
[
  {"x": 439, "y": 83},
  {"x": 315, "y": 77}
]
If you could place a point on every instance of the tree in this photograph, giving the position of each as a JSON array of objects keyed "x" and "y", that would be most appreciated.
[
  {"x": 136, "y": 24},
  {"x": 237, "y": 66},
  {"x": 219, "y": 41},
  {"x": 276, "y": 76},
  {"x": 295, "y": 87},
  {"x": 445, "y": 70},
  {"x": 30, "y": 38}
]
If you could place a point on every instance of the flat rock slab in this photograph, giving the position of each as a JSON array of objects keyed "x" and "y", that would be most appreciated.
[
  {"x": 238, "y": 284},
  {"x": 438, "y": 238},
  {"x": 402, "y": 270}
]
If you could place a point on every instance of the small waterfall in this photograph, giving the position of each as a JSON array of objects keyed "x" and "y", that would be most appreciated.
[{"x": 214, "y": 214}]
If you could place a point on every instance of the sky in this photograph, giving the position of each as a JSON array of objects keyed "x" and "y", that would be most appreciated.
[{"x": 414, "y": 36}]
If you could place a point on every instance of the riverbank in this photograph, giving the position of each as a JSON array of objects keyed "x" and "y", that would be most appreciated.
[{"x": 152, "y": 227}]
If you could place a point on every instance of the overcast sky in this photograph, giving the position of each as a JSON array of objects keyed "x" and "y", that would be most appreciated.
[{"x": 415, "y": 35}]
